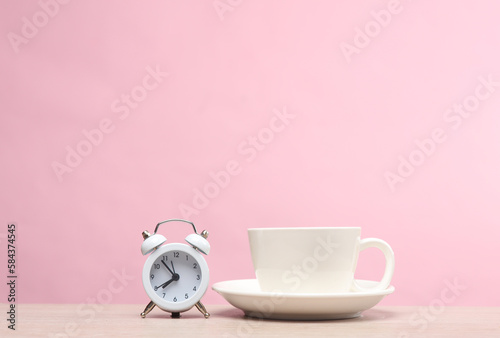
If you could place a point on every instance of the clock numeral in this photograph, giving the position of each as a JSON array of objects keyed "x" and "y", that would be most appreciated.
[
  {"x": 175, "y": 299},
  {"x": 165, "y": 258},
  {"x": 195, "y": 265},
  {"x": 186, "y": 296},
  {"x": 194, "y": 289},
  {"x": 152, "y": 276},
  {"x": 157, "y": 266},
  {"x": 164, "y": 295},
  {"x": 197, "y": 277},
  {"x": 176, "y": 254},
  {"x": 187, "y": 257}
]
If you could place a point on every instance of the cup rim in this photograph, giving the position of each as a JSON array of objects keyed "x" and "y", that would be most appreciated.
[{"x": 303, "y": 228}]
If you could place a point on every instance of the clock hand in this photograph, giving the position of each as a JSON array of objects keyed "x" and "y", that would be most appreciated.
[
  {"x": 164, "y": 284},
  {"x": 168, "y": 268},
  {"x": 175, "y": 277},
  {"x": 171, "y": 262}
]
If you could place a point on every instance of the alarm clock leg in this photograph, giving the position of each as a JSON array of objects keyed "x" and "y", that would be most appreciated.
[
  {"x": 148, "y": 309},
  {"x": 202, "y": 309}
]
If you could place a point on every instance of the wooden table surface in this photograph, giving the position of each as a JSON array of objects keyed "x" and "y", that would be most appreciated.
[{"x": 84, "y": 320}]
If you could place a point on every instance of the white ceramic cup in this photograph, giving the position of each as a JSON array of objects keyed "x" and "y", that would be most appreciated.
[{"x": 313, "y": 260}]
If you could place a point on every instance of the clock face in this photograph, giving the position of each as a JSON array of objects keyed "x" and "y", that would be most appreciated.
[{"x": 175, "y": 277}]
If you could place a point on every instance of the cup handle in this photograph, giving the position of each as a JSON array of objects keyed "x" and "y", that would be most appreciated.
[{"x": 389, "y": 263}]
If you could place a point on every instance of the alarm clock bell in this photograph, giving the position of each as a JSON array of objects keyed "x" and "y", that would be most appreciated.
[
  {"x": 151, "y": 242},
  {"x": 199, "y": 242}
]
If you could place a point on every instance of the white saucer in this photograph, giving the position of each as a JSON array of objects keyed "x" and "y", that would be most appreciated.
[{"x": 245, "y": 294}]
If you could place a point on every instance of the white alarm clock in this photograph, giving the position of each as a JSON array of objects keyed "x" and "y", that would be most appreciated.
[{"x": 175, "y": 275}]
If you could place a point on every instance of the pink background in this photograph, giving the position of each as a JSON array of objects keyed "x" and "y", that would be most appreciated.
[{"x": 352, "y": 120}]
